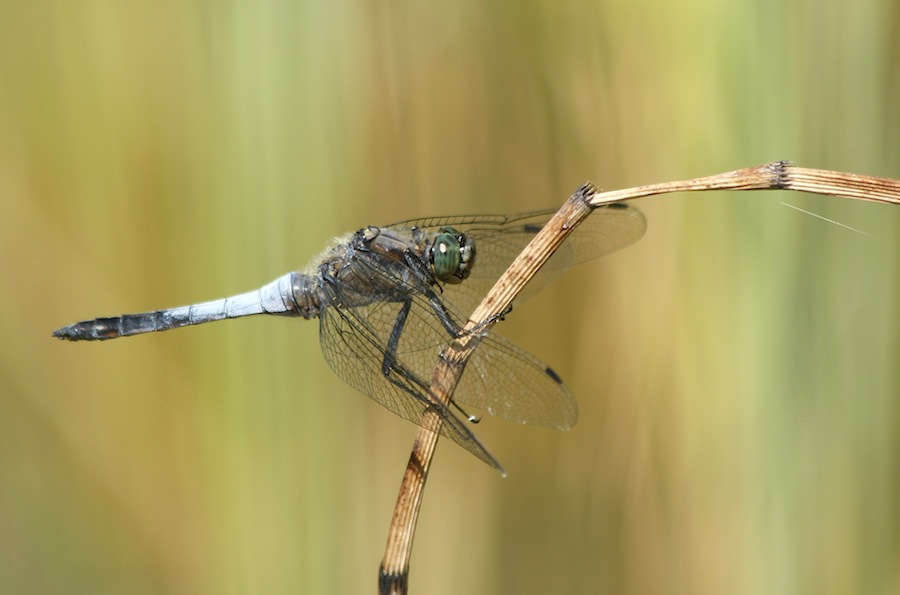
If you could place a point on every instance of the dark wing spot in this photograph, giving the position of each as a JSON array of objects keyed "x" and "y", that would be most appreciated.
[
  {"x": 552, "y": 374},
  {"x": 532, "y": 228},
  {"x": 619, "y": 206}
]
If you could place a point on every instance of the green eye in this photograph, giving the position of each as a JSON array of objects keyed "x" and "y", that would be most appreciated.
[
  {"x": 445, "y": 258},
  {"x": 452, "y": 255}
]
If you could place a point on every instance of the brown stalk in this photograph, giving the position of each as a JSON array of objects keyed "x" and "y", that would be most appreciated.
[{"x": 781, "y": 175}]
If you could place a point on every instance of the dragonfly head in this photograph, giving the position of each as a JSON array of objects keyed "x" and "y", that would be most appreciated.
[{"x": 452, "y": 255}]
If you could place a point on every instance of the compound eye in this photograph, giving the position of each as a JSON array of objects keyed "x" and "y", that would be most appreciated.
[{"x": 445, "y": 257}]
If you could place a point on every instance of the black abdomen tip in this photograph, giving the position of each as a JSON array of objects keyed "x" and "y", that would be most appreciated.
[{"x": 90, "y": 330}]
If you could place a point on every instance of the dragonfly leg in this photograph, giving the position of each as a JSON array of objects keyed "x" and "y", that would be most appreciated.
[
  {"x": 420, "y": 268},
  {"x": 400, "y": 377},
  {"x": 393, "y": 370},
  {"x": 389, "y": 362},
  {"x": 444, "y": 315},
  {"x": 472, "y": 419},
  {"x": 424, "y": 273},
  {"x": 451, "y": 326}
]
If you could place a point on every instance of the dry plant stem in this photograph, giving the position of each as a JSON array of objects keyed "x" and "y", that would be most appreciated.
[
  {"x": 780, "y": 175},
  {"x": 395, "y": 565},
  {"x": 822, "y": 181}
]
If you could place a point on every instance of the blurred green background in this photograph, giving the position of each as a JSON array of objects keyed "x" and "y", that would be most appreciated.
[{"x": 737, "y": 371}]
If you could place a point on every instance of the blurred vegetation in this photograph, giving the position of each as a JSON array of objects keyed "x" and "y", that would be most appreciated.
[{"x": 737, "y": 370}]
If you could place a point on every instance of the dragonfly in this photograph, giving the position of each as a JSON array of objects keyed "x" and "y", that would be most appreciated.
[{"x": 390, "y": 299}]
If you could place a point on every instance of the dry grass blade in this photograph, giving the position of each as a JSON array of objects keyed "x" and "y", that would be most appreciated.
[
  {"x": 823, "y": 181},
  {"x": 395, "y": 565},
  {"x": 780, "y": 175}
]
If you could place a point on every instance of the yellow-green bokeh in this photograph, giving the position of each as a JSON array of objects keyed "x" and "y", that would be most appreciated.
[{"x": 737, "y": 371}]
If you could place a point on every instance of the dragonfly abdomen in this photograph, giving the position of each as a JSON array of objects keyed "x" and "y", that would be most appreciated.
[{"x": 289, "y": 295}]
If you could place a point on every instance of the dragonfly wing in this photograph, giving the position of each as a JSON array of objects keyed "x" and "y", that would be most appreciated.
[
  {"x": 606, "y": 230},
  {"x": 499, "y": 239},
  {"x": 353, "y": 343},
  {"x": 499, "y": 378},
  {"x": 504, "y": 380}
]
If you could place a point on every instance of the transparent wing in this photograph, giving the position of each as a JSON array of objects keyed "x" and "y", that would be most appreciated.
[
  {"x": 504, "y": 380},
  {"x": 353, "y": 343},
  {"x": 500, "y": 378},
  {"x": 388, "y": 348},
  {"x": 500, "y": 238}
]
